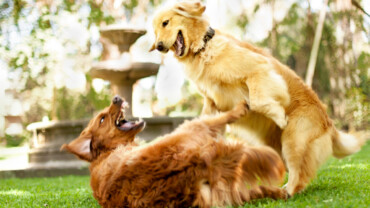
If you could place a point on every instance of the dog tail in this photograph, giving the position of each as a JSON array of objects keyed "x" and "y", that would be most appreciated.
[
  {"x": 263, "y": 164},
  {"x": 345, "y": 144}
]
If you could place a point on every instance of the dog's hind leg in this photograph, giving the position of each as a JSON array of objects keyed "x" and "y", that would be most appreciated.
[
  {"x": 209, "y": 107},
  {"x": 305, "y": 147}
]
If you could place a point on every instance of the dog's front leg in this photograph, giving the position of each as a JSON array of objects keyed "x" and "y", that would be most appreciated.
[
  {"x": 266, "y": 96},
  {"x": 209, "y": 107},
  {"x": 218, "y": 122}
]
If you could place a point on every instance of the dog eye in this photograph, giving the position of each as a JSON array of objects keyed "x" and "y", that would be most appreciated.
[
  {"x": 102, "y": 119},
  {"x": 165, "y": 23}
]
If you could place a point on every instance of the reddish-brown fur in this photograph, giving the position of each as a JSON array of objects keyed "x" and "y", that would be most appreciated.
[{"x": 192, "y": 166}]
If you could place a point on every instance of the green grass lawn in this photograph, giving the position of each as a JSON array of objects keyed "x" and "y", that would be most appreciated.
[
  {"x": 68, "y": 191},
  {"x": 340, "y": 183}
]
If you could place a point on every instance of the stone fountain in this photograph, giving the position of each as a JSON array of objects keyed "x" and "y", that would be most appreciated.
[{"x": 122, "y": 75}]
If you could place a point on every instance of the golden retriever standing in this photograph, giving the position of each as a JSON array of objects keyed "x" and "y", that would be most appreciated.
[
  {"x": 285, "y": 113},
  {"x": 193, "y": 166}
]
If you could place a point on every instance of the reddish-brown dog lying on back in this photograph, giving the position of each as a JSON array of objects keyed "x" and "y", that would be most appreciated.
[{"x": 192, "y": 166}]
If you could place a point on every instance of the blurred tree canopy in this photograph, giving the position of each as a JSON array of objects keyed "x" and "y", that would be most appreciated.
[
  {"x": 342, "y": 69},
  {"x": 37, "y": 45},
  {"x": 47, "y": 43}
]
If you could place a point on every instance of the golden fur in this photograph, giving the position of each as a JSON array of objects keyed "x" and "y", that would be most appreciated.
[
  {"x": 285, "y": 113},
  {"x": 191, "y": 167}
]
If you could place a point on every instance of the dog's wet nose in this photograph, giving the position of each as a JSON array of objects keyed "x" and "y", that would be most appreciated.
[
  {"x": 117, "y": 100},
  {"x": 160, "y": 46}
]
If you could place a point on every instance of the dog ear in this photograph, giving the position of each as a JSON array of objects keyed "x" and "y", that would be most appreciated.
[
  {"x": 190, "y": 8},
  {"x": 80, "y": 147}
]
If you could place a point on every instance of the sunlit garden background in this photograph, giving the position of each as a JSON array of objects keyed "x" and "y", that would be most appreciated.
[{"x": 48, "y": 48}]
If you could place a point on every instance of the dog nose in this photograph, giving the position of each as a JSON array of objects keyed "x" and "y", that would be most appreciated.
[
  {"x": 160, "y": 46},
  {"x": 117, "y": 100}
]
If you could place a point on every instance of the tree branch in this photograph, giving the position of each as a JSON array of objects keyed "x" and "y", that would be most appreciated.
[{"x": 358, "y": 6}]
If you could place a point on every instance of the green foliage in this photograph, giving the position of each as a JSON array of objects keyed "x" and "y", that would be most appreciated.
[
  {"x": 290, "y": 39},
  {"x": 341, "y": 70},
  {"x": 242, "y": 20},
  {"x": 358, "y": 109},
  {"x": 321, "y": 82},
  {"x": 70, "y": 105},
  {"x": 97, "y": 15},
  {"x": 130, "y": 5},
  {"x": 157, "y": 2},
  {"x": 363, "y": 65},
  {"x": 289, "y": 34},
  {"x": 40, "y": 50},
  {"x": 38, "y": 23},
  {"x": 16, "y": 140},
  {"x": 18, "y": 6}
]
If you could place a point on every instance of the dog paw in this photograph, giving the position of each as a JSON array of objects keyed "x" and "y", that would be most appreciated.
[
  {"x": 281, "y": 122},
  {"x": 241, "y": 109},
  {"x": 285, "y": 187},
  {"x": 275, "y": 193},
  {"x": 284, "y": 194}
]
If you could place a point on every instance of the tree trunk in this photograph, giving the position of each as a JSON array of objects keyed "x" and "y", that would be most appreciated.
[{"x": 316, "y": 44}]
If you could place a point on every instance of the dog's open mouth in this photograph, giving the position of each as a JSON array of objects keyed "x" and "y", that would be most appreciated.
[
  {"x": 125, "y": 125},
  {"x": 179, "y": 44}
]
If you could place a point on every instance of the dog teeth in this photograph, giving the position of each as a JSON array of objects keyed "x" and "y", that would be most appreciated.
[
  {"x": 121, "y": 115},
  {"x": 125, "y": 105},
  {"x": 139, "y": 121},
  {"x": 123, "y": 112}
]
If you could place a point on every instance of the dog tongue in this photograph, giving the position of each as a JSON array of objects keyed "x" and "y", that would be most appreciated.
[
  {"x": 127, "y": 125},
  {"x": 178, "y": 45}
]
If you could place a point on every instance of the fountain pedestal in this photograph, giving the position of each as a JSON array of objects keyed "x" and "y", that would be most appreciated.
[{"x": 123, "y": 77}]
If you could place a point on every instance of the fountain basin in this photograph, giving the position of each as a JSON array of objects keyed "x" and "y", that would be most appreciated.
[
  {"x": 121, "y": 36},
  {"x": 114, "y": 71},
  {"x": 48, "y": 137}
]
